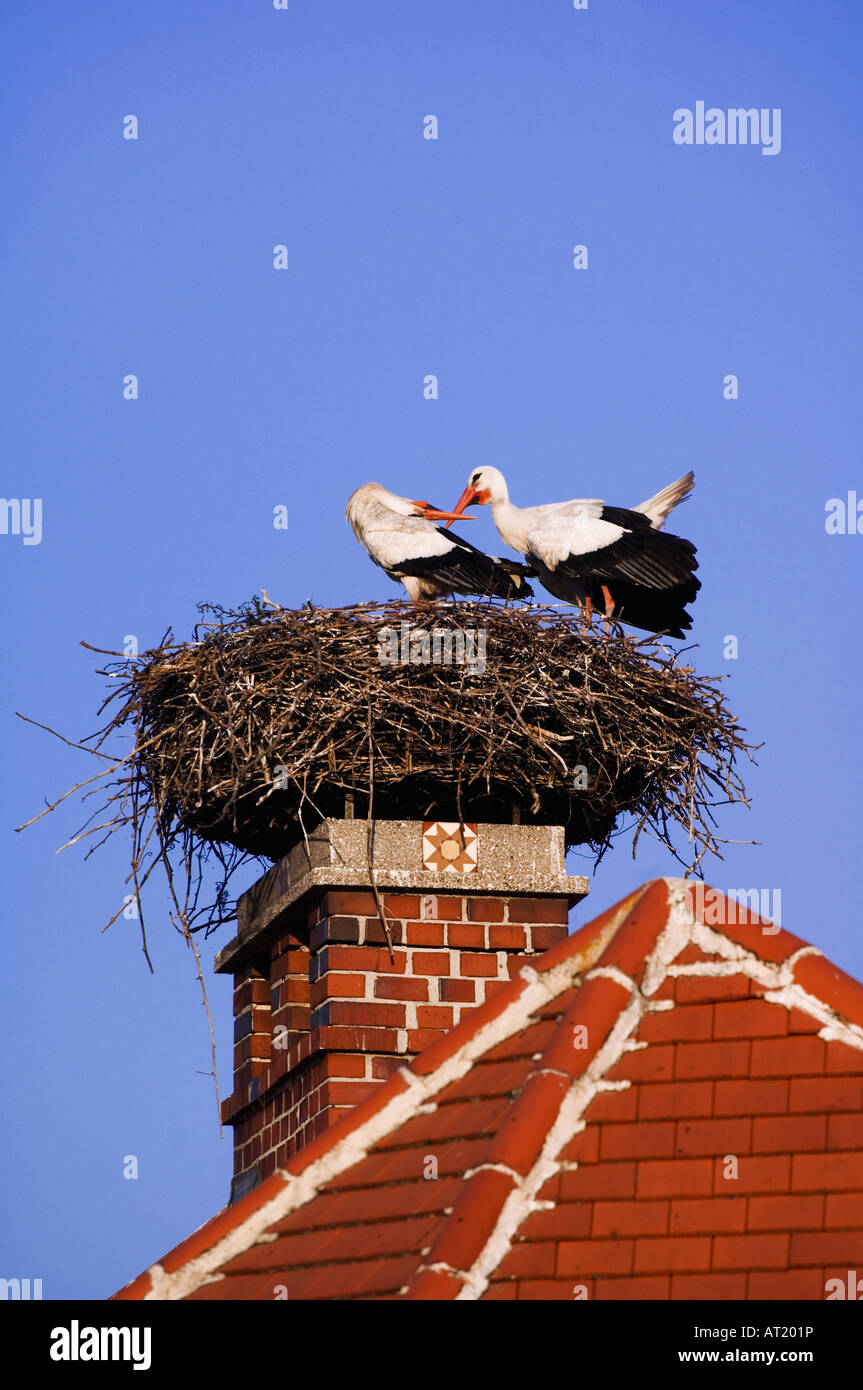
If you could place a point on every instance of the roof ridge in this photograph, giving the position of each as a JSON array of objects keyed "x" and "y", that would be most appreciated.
[{"x": 619, "y": 960}]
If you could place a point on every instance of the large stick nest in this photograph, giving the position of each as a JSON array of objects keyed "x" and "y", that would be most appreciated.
[{"x": 269, "y": 720}]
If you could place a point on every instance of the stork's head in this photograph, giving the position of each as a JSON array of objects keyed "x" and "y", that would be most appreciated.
[{"x": 484, "y": 485}]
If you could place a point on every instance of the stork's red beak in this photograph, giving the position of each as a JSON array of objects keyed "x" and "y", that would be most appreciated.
[
  {"x": 469, "y": 495},
  {"x": 433, "y": 514}
]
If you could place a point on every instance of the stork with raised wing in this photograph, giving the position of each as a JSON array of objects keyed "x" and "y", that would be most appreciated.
[
  {"x": 616, "y": 559},
  {"x": 401, "y": 537}
]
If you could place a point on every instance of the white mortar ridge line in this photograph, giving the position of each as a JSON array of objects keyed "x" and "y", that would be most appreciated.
[
  {"x": 301, "y": 1188},
  {"x": 836, "y": 1028},
  {"x": 611, "y": 972},
  {"x": 493, "y": 1168},
  {"x": 521, "y": 1201}
]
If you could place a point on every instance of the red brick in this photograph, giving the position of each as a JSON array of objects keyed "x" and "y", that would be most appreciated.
[
  {"x": 506, "y": 1290},
  {"x": 749, "y": 1018},
  {"x": 334, "y": 985},
  {"x": 713, "y": 1059},
  {"x": 762, "y": 1251},
  {"x": 654, "y": 1140},
  {"x": 551, "y": 910},
  {"x": 433, "y": 1016},
  {"x": 792, "y": 1056},
  {"x": 449, "y": 907},
  {"x": 789, "y": 1133},
  {"x": 681, "y": 1024},
  {"x": 672, "y": 1253},
  {"x": 698, "y": 989},
  {"x": 708, "y": 1288},
  {"x": 458, "y": 991},
  {"x": 638, "y": 1289},
  {"x": 826, "y": 1093},
  {"x": 844, "y": 1209},
  {"x": 430, "y": 963},
  {"x": 751, "y": 1098},
  {"x": 795, "y": 1285},
  {"x": 465, "y": 936},
  {"x": 491, "y": 987},
  {"x": 544, "y": 938},
  {"x": 583, "y": 1147},
  {"x": 653, "y": 1063},
  {"x": 424, "y": 934},
  {"x": 552, "y": 1290},
  {"x": 678, "y": 1098},
  {"x": 506, "y": 937},
  {"x": 842, "y": 1058},
  {"x": 365, "y": 958},
  {"x": 347, "y": 1092},
  {"x": 827, "y": 1248},
  {"x": 485, "y": 909},
  {"x": 785, "y": 1213},
  {"x": 341, "y": 1064},
  {"x": 770, "y": 1174},
  {"x": 598, "y": 1180},
  {"x": 401, "y": 905},
  {"x": 827, "y": 1172},
  {"x": 383, "y": 1067},
  {"x": 568, "y": 1220},
  {"x": 528, "y": 1259},
  {"x": 581, "y": 1258},
  {"x": 675, "y": 1177},
  {"x": 421, "y": 1038},
  {"x": 361, "y": 1012},
  {"x": 291, "y": 991},
  {"x": 393, "y": 988},
  {"x": 704, "y": 1216},
  {"x": 360, "y": 904},
  {"x": 473, "y": 965},
  {"x": 799, "y": 1021},
  {"x": 845, "y": 1132},
  {"x": 630, "y": 1219},
  {"x": 614, "y": 1105},
  {"x": 713, "y": 1136}
]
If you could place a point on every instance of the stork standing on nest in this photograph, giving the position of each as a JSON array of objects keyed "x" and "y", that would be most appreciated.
[
  {"x": 401, "y": 537},
  {"x": 614, "y": 558}
]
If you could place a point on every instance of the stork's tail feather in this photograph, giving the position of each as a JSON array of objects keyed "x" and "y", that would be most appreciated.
[{"x": 658, "y": 508}]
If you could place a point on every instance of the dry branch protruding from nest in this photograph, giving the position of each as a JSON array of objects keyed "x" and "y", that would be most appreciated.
[{"x": 269, "y": 720}]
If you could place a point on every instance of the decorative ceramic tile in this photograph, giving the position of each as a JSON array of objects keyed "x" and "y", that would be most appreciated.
[{"x": 449, "y": 847}]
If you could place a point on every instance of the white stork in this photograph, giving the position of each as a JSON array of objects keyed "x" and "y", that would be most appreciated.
[
  {"x": 588, "y": 553},
  {"x": 401, "y": 537}
]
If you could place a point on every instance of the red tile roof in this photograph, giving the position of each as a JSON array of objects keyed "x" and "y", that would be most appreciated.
[{"x": 655, "y": 1108}]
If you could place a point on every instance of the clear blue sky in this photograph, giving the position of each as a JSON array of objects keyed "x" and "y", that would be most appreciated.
[{"x": 260, "y": 387}]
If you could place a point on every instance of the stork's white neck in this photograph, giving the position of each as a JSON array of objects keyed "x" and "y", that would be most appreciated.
[{"x": 510, "y": 522}]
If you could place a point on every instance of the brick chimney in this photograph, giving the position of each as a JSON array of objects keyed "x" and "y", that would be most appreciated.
[{"x": 322, "y": 1014}]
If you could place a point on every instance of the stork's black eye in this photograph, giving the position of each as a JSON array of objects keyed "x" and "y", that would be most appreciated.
[{"x": 474, "y": 480}]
